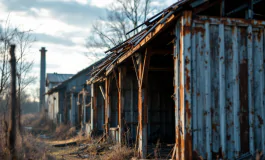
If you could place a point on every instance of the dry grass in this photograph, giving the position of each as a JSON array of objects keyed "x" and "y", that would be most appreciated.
[
  {"x": 27, "y": 146},
  {"x": 27, "y": 119},
  {"x": 118, "y": 152},
  {"x": 64, "y": 132},
  {"x": 34, "y": 149}
]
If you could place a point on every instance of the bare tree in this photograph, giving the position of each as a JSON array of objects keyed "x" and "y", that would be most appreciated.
[
  {"x": 6, "y": 36},
  {"x": 122, "y": 16},
  {"x": 13, "y": 105},
  {"x": 24, "y": 41}
]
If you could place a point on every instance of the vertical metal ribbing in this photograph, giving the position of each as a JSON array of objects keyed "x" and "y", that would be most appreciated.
[
  {"x": 222, "y": 88},
  {"x": 250, "y": 89},
  {"x": 236, "y": 127},
  {"x": 194, "y": 91},
  {"x": 261, "y": 87},
  {"x": 200, "y": 93},
  {"x": 207, "y": 63},
  {"x": 263, "y": 112}
]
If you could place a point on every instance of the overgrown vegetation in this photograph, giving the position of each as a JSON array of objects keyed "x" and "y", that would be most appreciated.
[{"x": 28, "y": 146}]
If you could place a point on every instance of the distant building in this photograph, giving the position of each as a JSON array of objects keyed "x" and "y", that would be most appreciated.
[
  {"x": 52, "y": 80},
  {"x": 65, "y": 102}
]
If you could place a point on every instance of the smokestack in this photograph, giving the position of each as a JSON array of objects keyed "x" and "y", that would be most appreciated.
[{"x": 42, "y": 77}]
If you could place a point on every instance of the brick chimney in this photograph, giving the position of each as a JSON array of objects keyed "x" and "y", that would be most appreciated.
[{"x": 42, "y": 78}]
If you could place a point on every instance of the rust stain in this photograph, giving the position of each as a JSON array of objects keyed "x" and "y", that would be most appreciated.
[
  {"x": 187, "y": 80},
  {"x": 260, "y": 120},
  {"x": 188, "y": 146},
  {"x": 187, "y": 60},
  {"x": 260, "y": 34},
  {"x": 250, "y": 36},
  {"x": 187, "y": 30},
  {"x": 188, "y": 111},
  {"x": 228, "y": 137},
  {"x": 199, "y": 30}
]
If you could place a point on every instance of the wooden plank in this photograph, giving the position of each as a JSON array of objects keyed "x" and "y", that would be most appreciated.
[{"x": 121, "y": 79}]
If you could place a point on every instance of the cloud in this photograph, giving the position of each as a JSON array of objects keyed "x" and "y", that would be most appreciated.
[
  {"x": 70, "y": 12},
  {"x": 53, "y": 39},
  {"x": 36, "y": 66}
]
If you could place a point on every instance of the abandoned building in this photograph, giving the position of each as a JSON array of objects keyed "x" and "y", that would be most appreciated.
[
  {"x": 52, "y": 105},
  {"x": 193, "y": 77},
  {"x": 69, "y": 100}
]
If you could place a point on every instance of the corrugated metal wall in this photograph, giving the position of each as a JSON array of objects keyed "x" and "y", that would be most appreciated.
[{"x": 227, "y": 69}]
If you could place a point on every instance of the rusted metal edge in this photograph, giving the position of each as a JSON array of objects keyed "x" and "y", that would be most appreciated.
[{"x": 229, "y": 21}]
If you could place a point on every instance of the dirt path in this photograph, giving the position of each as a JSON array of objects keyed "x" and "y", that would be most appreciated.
[{"x": 65, "y": 149}]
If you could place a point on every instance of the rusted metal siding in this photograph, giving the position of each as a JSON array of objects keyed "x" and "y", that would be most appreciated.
[{"x": 227, "y": 77}]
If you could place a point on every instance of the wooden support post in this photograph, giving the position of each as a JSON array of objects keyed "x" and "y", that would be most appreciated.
[
  {"x": 102, "y": 92},
  {"x": 107, "y": 109},
  {"x": 143, "y": 68},
  {"x": 121, "y": 102},
  {"x": 142, "y": 151}
]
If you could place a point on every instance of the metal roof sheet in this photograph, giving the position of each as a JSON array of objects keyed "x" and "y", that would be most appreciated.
[{"x": 57, "y": 78}]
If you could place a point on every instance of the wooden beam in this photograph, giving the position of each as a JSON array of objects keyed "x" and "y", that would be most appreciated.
[
  {"x": 136, "y": 70},
  {"x": 141, "y": 150},
  {"x": 121, "y": 76},
  {"x": 107, "y": 104},
  {"x": 116, "y": 79},
  {"x": 143, "y": 68},
  {"x": 102, "y": 92},
  {"x": 157, "y": 30}
]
